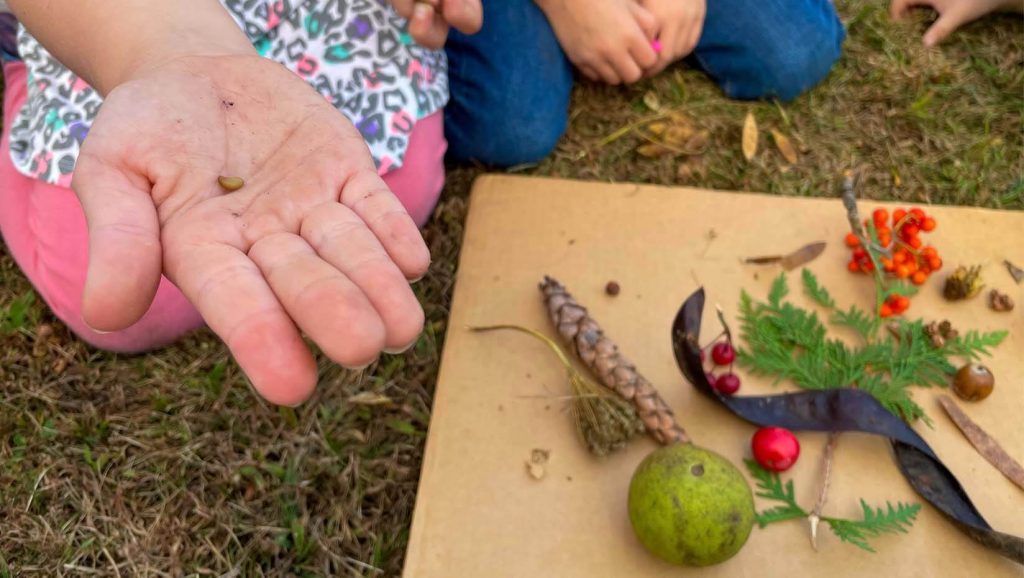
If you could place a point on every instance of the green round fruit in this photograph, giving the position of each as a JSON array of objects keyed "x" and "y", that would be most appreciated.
[{"x": 690, "y": 506}]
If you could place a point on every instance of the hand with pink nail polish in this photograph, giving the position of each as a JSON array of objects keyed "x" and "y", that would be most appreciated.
[
  {"x": 430, "y": 20},
  {"x": 610, "y": 40},
  {"x": 678, "y": 29}
]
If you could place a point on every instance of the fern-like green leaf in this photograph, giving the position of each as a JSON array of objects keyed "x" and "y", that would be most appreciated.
[
  {"x": 974, "y": 344},
  {"x": 778, "y": 291},
  {"x": 874, "y": 523},
  {"x": 901, "y": 288},
  {"x": 815, "y": 291},
  {"x": 865, "y": 325},
  {"x": 770, "y": 486}
]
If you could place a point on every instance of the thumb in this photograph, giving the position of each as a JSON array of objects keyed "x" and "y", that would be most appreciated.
[
  {"x": 646, "y": 20},
  {"x": 125, "y": 259},
  {"x": 943, "y": 27},
  {"x": 466, "y": 16}
]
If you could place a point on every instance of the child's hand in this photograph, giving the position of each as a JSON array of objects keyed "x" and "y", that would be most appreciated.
[
  {"x": 608, "y": 40},
  {"x": 680, "y": 23},
  {"x": 429, "y": 20},
  {"x": 313, "y": 242},
  {"x": 952, "y": 13}
]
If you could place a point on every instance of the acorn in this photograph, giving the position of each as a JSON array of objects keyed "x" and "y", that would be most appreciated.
[{"x": 973, "y": 382}]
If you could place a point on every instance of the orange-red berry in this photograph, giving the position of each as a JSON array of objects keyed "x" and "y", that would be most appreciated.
[
  {"x": 918, "y": 214},
  {"x": 928, "y": 224},
  {"x": 915, "y": 242},
  {"x": 919, "y": 278},
  {"x": 885, "y": 310},
  {"x": 909, "y": 231},
  {"x": 935, "y": 263},
  {"x": 853, "y": 267},
  {"x": 880, "y": 216},
  {"x": 852, "y": 240},
  {"x": 898, "y": 216},
  {"x": 902, "y": 303},
  {"x": 902, "y": 271}
]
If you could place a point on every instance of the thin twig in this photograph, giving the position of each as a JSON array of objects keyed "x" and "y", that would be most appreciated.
[{"x": 826, "y": 479}]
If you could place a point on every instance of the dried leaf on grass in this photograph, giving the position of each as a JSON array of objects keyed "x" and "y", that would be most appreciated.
[
  {"x": 369, "y": 398},
  {"x": 653, "y": 150},
  {"x": 652, "y": 101},
  {"x": 785, "y": 147},
  {"x": 692, "y": 169},
  {"x": 988, "y": 447},
  {"x": 749, "y": 136}
]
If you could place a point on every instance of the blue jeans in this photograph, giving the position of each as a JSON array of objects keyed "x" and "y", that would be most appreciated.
[{"x": 510, "y": 83}]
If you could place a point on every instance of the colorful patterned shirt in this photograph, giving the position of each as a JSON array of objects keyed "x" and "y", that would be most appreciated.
[{"x": 356, "y": 53}]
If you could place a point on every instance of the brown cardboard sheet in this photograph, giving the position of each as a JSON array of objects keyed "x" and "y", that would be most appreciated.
[{"x": 500, "y": 395}]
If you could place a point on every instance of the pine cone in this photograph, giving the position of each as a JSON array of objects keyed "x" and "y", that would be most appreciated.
[{"x": 612, "y": 369}]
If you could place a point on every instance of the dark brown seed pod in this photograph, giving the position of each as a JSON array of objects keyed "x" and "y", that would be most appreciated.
[
  {"x": 231, "y": 184},
  {"x": 1000, "y": 301},
  {"x": 612, "y": 288},
  {"x": 973, "y": 382}
]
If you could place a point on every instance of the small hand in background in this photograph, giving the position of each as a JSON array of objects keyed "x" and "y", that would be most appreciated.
[
  {"x": 952, "y": 13},
  {"x": 609, "y": 40},
  {"x": 430, "y": 20},
  {"x": 680, "y": 23}
]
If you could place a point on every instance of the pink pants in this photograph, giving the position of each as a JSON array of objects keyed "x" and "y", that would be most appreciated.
[{"x": 44, "y": 229}]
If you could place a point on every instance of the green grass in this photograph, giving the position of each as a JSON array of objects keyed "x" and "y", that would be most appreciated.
[{"x": 167, "y": 464}]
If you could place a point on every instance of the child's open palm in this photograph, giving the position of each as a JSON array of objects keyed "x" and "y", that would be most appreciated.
[{"x": 314, "y": 242}]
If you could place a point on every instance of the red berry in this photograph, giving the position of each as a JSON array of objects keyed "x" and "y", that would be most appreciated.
[
  {"x": 918, "y": 214},
  {"x": 901, "y": 303},
  {"x": 727, "y": 384},
  {"x": 852, "y": 240},
  {"x": 775, "y": 448},
  {"x": 885, "y": 310},
  {"x": 919, "y": 278},
  {"x": 928, "y": 224},
  {"x": 910, "y": 231},
  {"x": 915, "y": 242},
  {"x": 853, "y": 266},
  {"x": 935, "y": 263},
  {"x": 898, "y": 216},
  {"x": 723, "y": 354},
  {"x": 880, "y": 216},
  {"x": 859, "y": 253}
]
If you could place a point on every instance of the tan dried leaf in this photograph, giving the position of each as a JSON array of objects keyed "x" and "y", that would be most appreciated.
[
  {"x": 652, "y": 101},
  {"x": 697, "y": 142},
  {"x": 657, "y": 128},
  {"x": 369, "y": 398},
  {"x": 652, "y": 150},
  {"x": 692, "y": 169},
  {"x": 749, "y": 136},
  {"x": 785, "y": 147},
  {"x": 677, "y": 135}
]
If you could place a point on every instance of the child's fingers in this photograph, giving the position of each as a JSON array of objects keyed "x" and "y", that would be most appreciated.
[
  {"x": 232, "y": 295},
  {"x": 627, "y": 69},
  {"x": 606, "y": 72},
  {"x": 589, "y": 72},
  {"x": 125, "y": 257},
  {"x": 427, "y": 26},
  {"x": 466, "y": 16},
  {"x": 367, "y": 195},
  {"x": 944, "y": 26},
  {"x": 899, "y": 8},
  {"x": 646, "y": 20},
  {"x": 642, "y": 51}
]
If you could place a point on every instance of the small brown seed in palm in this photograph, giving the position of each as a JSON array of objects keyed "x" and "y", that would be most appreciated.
[{"x": 231, "y": 184}]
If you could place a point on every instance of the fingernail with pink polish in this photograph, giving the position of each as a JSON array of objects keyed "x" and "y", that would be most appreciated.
[{"x": 656, "y": 45}]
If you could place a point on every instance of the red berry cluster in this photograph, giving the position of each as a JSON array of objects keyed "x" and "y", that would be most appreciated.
[
  {"x": 910, "y": 258},
  {"x": 722, "y": 354}
]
